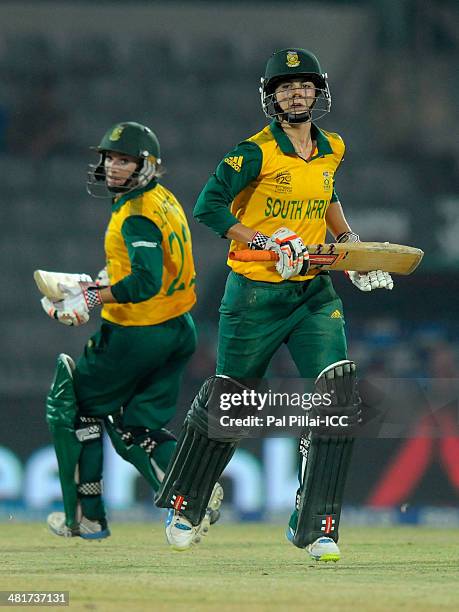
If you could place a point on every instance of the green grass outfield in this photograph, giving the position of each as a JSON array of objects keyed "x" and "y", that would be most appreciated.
[{"x": 237, "y": 567}]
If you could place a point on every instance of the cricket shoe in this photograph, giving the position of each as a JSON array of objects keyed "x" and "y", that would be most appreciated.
[
  {"x": 181, "y": 534},
  {"x": 212, "y": 513},
  {"x": 86, "y": 529},
  {"x": 322, "y": 549}
]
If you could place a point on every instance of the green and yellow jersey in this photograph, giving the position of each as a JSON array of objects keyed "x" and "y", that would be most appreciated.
[
  {"x": 149, "y": 258},
  {"x": 265, "y": 185}
]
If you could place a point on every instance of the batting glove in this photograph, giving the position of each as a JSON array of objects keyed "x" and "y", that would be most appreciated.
[
  {"x": 376, "y": 279},
  {"x": 347, "y": 237},
  {"x": 102, "y": 279},
  {"x": 74, "y": 309},
  {"x": 293, "y": 255},
  {"x": 62, "y": 313},
  {"x": 82, "y": 297}
]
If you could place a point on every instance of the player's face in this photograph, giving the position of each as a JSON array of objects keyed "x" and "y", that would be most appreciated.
[
  {"x": 295, "y": 96},
  {"x": 118, "y": 168}
]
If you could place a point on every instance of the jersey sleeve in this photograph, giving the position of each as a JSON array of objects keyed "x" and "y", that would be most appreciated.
[
  {"x": 143, "y": 241},
  {"x": 239, "y": 167}
]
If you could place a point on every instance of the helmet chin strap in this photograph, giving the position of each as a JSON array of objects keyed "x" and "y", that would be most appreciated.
[
  {"x": 298, "y": 117},
  {"x": 305, "y": 117},
  {"x": 118, "y": 190},
  {"x": 294, "y": 118}
]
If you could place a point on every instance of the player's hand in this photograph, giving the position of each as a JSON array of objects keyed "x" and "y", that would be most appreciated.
[
  {"x": 376, "y": 279},
  {"x": 102, "y": 279},
  {"x": 61, "y": 312},
  {"x": 74, "y": 309},
  {"x": 347, "y": 237},
  {"x": 82, "y": 298},
  {"x": 293, "y": 254}
]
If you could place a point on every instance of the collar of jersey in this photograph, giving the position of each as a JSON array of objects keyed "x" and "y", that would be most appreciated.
[
  {"x": 118, "y": 202},
  {"x": 286, "y": 146}
]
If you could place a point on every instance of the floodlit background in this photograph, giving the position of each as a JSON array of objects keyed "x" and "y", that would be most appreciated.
[{"x": 190, "y": 71}]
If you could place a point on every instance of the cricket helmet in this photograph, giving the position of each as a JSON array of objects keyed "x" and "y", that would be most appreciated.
[
  {"x": 294, "y": 64},
  {"x": 128, "y": 138}
]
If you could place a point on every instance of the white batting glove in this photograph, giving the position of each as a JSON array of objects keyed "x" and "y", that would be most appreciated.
[
  {"x": 62, "y": 313},
  {"x": 74, "y": 309},
  {"x": 347, "y": 237},
  {"x": 83, "y": 297},
  {"x": 293, "y": 255},
  {"x": 376, "y": 279},
  {"x": 102, "y": 279}
]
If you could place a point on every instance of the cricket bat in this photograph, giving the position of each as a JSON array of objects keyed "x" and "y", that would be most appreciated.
[{"x": 360, "y": 256}]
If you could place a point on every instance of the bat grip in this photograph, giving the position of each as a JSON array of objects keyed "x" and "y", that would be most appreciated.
[{"x": 252, "y": 255}]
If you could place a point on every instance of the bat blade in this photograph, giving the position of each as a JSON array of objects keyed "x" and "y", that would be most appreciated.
[{"x": 366, "y": 256}]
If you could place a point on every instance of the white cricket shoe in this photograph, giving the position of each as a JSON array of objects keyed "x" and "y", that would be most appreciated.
[
  {"x": 86, "y": 529},
  {"x": 324, "y": 549},
  {"x": 181, "y": 534}
]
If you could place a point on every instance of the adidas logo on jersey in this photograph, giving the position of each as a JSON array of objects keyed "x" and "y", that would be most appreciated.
[
  {"x": 234, "y": 162},
  {"x": 336, "y": 315}
]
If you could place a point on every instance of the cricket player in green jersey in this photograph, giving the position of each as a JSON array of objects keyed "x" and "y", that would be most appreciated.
[
  {"x": 129, "y": 375},
  {"x": 276, "y": 191}
]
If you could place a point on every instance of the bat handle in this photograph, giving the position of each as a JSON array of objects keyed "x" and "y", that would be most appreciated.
[{"x": 305, "y": 269}]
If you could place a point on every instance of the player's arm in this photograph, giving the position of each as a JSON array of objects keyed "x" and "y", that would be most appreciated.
[
  {"x": 106, "y": 295},
  {"x": 337, "y": 224},
  {"x": 143, "y": 241},
  {"x": 236, "y": 171},
  {"x": 240, "y": 233}
]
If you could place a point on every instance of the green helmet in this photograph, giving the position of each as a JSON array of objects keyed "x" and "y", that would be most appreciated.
[
  {"x": 128, "y": 138},
  {"x": 293, "y": 64}
]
